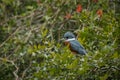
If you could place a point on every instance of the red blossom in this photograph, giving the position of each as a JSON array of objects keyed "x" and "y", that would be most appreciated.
[
  {"x": 68, "y": 16},
  {"x": 79, "y": 8},
  {"x": 99, "y": 12}
]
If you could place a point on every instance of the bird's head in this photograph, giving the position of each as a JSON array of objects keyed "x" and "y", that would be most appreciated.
[{"x": 69, "y": 36}]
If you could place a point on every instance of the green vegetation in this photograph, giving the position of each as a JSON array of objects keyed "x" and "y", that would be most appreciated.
[{"x": 31, "y": 46}]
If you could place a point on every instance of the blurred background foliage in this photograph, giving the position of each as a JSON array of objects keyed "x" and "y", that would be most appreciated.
[{"x": 31, "y": 33}]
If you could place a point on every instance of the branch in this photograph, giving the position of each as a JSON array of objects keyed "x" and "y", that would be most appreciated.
[
  {"x": 12, "y": 62},
  {"x": 9, "y": 37},
  {"x": 24, "y": 72}
]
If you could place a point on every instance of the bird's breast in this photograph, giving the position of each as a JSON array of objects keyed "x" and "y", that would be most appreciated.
[{"x": 67, "y": 43}]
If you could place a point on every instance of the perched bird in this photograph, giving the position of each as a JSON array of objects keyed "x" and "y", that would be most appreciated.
[{"x": 73, "y": 44}]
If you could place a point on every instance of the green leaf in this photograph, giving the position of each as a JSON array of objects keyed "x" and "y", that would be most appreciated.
[{"x": 104, "y": 77}]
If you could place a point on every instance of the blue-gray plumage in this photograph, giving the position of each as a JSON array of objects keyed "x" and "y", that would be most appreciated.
[{"x": 75, "y": 46}]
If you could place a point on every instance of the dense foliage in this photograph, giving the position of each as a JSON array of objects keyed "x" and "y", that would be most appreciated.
[{"x": 31, "y": 33}]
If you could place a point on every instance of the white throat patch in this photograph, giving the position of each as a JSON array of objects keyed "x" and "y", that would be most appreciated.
[{"x": 70, "y": 39}]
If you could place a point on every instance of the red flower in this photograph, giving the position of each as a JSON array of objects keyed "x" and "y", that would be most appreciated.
[
  {"x": 95, "y": 1},
  {"x": 99, "y": 12},
  {"x": 68, "y": 16},
  {"x": 79, "y": 8}
]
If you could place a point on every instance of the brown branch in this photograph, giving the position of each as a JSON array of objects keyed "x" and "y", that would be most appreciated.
[
  {"x": 88, "y": 5},
  {"x": 9, "y": 37},
  {"x": 24, "y": 72},
  {"x": 12, "y": 62}
]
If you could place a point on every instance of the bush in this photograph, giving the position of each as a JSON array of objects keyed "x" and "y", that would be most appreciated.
[{"x": 31, "y": 30}]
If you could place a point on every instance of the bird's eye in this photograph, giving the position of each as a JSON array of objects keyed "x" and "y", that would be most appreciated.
[{"x": 66, "y": 37}]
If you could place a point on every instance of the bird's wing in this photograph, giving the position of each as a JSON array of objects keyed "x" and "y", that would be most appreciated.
[{"x": 75, "y": 45}]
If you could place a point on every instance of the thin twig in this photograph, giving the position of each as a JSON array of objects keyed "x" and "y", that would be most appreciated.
[
  {"x": 88, "y": 5},
  {"x": 24, "y": 72},
  {"x": 9, "y": 37},
  {"x": 14, "y": 72}
]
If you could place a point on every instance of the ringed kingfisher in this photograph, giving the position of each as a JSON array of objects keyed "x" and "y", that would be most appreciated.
[{"x": 73, "y": 44}]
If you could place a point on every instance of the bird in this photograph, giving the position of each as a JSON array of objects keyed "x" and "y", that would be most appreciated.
[{"x": 73, "y": 44}]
